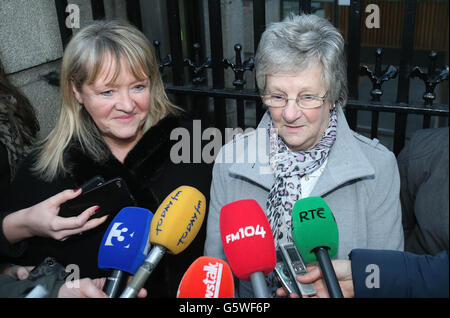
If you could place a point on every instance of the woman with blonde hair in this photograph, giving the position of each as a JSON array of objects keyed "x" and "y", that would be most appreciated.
[{"x": 115, "y": 121}]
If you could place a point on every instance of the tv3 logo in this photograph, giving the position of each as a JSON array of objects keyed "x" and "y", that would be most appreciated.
[
  {"x": 248, "y": 231},
  {"x": 116, "y": 233}
]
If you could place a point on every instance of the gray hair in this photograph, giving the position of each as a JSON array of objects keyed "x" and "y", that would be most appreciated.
[{"x": 293, "y": 44}]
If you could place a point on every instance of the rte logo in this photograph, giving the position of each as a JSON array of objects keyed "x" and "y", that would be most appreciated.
[{"x": 312, "y": 214}]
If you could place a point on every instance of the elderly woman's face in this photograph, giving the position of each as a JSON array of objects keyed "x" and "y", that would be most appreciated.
[
  {"x": 119, "y": 110},
  {"x": 300, "y": 129}
]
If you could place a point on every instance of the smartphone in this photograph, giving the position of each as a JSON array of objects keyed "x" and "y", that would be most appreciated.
[
  {"x": 93, "y": 183},
  {"x": 111, "y": 196},
  {"x": 296, "y": 266},
  {"x": 283, "y": 275}
]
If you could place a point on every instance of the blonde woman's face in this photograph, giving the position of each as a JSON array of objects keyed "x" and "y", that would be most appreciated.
[{"x": 119, "y": 110}]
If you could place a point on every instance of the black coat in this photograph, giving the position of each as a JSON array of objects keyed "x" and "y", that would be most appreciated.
[
  {"x": 4, "y": 172},
  {"x": 424, "y": 174},
  {"x": 150, "y": 175}
]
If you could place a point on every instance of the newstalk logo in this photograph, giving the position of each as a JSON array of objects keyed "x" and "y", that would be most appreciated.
[{"x": 213, "y": 273}]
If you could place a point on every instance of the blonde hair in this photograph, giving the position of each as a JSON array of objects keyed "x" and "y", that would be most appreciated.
[{"x": 81, "y": 64}]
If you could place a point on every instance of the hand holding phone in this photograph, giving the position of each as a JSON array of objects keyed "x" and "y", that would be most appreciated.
[
  {"x": 43, "y": 219},
  {"x": 289, "y": 265},
  {"x": 283, "y": 275},
  {"x": 111, "y": 196}
]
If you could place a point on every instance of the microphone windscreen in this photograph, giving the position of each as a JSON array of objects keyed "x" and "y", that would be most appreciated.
[
  {"x": 125, "y": 244},
  {"x": 178, "y": 219},
  {"x": 247, "y": 238},
  {"x": 313, "y": 225},
  {"x": 207, "y": 277}
]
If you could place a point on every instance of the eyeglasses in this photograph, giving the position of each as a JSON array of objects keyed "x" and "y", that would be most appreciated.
[{"x": 303, "y": 101}]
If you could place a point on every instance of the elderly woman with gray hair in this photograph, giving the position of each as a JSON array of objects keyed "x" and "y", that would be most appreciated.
[{"x": 301, "y": 76}]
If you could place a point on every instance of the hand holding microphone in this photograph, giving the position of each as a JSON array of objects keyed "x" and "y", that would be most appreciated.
[
  {"x": 248, "y": 243},
  {"x": 174, "y": 226},
  {"x": 343, "y": 272},
  {"x": 125, "y": 245},
  {"x": 207, "y": 277},
  {"x": 316, "y": 237}
]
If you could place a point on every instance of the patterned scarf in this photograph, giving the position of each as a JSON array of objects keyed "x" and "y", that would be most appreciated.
[{"x": 289, "y": 167}]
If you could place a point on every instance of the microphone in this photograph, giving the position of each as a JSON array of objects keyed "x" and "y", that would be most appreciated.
[
  {"x": 174, "y": 226},
  {"x": 38, "y": 291},
  {"x": 207, "y": 277},
  {"x": 124, "y": 246},
  {"x": 315, "y": 234},
  {"x": 248, "y": 243}
]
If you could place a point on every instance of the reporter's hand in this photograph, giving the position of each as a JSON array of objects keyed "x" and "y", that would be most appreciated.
[
  {"x": 314, "y": 276},
  {"x": 19, "y": 272},
  {"x": 88, "y": 288},
  {"x": 343, "y": 272},
  {"x": 42, "y": 220},
  {"x": 282, "y": 292}
]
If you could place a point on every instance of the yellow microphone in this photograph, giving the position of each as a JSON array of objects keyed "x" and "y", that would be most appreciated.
[{"x": 174, "y": 226}]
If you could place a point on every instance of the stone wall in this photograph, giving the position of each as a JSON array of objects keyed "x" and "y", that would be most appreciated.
[{"x": 31, "y": 47}]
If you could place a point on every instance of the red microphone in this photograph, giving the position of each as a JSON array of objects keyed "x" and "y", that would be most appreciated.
[
  {"x": 207, "y": 277},
  {"x": 248, "y": 243}
]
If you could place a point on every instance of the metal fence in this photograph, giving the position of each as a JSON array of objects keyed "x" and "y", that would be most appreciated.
[{"x": 201, "y": 92}]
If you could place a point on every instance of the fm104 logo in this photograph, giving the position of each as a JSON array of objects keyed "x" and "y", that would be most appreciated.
[{"x": 248, "y": 231}]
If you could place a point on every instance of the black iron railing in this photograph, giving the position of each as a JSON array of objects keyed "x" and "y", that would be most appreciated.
[{"x": 201, "y": 92}]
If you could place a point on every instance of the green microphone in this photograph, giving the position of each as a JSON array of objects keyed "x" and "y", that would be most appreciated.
[{"x": 316, "y": 236}]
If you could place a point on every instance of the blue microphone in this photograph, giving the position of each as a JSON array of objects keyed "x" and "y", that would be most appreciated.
[{"x": 125, "y": 245}]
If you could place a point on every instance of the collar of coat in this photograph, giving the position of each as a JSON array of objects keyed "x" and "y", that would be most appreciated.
[
  {"x": 346, "y": 161},
  {"x": 141, "y": 163}
]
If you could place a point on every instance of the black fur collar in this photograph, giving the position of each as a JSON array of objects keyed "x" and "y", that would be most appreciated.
[{"x": 144, "y": 163}]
